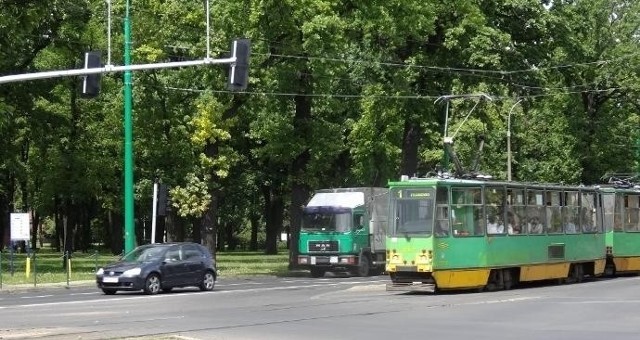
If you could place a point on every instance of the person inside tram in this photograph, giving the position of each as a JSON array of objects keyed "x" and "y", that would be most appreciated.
[
  {"x": 442, "y": 228},
  {"x": 535, "y": 227},
  {"x": 513, "y": 223},
  {"x": 494, "y": 225},
  {"x": 569, "y": 226}
]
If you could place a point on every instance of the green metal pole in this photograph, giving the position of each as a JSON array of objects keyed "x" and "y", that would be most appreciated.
[{"x": 129, "y": 243}]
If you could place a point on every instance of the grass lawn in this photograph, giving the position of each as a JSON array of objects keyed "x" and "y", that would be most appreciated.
[{"x": 49, "y": 266}]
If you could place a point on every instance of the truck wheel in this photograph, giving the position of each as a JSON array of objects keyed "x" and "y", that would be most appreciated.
[
  {"x": 364, "y": 267},
  {"x": 317, "y": 272}
]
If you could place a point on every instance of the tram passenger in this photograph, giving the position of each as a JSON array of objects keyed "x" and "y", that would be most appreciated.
[
  {"x": 569, "y": 226},
  {"x": 494, "y": 225},
  {"x": 442, "y": 229},
  {"x": 535, "y": 227},
  {"x": 513, "y": 223}
]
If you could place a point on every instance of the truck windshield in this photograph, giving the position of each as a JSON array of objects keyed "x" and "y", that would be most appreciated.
[
  {"x": 326, "y": 219},
  {"x": 413, "y": 210}
]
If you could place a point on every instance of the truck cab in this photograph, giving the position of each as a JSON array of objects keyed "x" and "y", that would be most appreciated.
[{"x": 343, "y": 230}]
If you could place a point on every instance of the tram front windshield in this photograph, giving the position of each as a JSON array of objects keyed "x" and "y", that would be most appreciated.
[{"x": 413, "y": 211}]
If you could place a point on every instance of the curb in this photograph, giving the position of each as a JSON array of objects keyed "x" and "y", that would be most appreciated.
[{"x": 24, "y": 287}]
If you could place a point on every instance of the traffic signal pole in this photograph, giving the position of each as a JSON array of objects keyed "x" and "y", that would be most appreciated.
[
  {"x": 238, "y": 81},
  {"x": 129, "y": 230}
]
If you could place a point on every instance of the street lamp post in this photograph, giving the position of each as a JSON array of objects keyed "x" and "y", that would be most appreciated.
[
  {"x": 509, "y": 141},
  {"x": 129, "y": 234}
]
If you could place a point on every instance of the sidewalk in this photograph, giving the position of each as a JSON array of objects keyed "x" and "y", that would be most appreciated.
[{"x": 9, "y": 288}]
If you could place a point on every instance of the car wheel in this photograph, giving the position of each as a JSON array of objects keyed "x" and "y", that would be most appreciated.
[
  {"x": 152, "y": 284},
  {"x": 208, "y": 281},
  {"x": 109, "y": 291}
]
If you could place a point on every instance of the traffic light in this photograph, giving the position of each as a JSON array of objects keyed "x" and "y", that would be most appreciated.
[
  {"x": 163, "y": 198},
  {"x": 239, "y": 71},
  {"x": 91, "y": 82}
]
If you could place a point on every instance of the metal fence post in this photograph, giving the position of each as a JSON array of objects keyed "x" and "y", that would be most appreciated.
[
  {"x": 35, "y": 272},
  {"x": 67, "y": 262},
  {"x": 96, "y": 268}
]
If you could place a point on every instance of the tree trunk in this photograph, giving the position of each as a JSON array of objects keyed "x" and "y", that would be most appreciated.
[
  {"x": 196, "y": 236},
  {"x": 4, "y": 221},
  {"x": 59, "y": 228},
  {"x": 299, "y": 196},
  {"x": 274, "y": 211},
  {"x": 209, "y": 224},
  {"x": 255, "y": 226},
  {"x": 410, "y": 142},
  {"x": 116, "y": 225}
]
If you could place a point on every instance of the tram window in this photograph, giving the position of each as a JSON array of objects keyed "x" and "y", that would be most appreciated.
[
  {"x": 442, "y": 213},
  {"x": 516, "y": 214},
  {"x": 607, "y": 202},
  {"x": 554, "y": 216},
  {"x": 632, "y": 213},
  {"x": 466, "y": 208},
  {"x": 588, "y": 213},
  {"x": 570, "y": 212},
  {"x": 494, "y": 198},
  {"x": 536, "y": 216},
  {"x": 618, "y": 219}
]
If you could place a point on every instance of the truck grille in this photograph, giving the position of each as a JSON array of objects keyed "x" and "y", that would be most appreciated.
[{"x": 323, "y": 246}]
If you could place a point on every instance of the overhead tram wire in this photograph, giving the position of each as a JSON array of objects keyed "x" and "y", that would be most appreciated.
[
  {"x": 453, "y": 69},
  {"x": 470, "y": 72},
  {"x": 495, "y": 98}
]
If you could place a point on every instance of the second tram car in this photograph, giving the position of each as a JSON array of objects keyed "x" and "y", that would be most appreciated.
[{"x": 621, "y": 220}]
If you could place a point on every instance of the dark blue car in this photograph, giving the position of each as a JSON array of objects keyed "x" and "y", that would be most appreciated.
[{"x": 162, "y": 266}]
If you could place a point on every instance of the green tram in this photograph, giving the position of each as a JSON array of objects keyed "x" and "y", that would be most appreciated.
[
  {"x": 621, "y": 211},
  {"x": 449, "y": 233}
]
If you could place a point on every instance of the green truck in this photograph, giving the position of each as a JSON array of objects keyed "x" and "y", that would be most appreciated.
[{"x": 344, "y": 230}]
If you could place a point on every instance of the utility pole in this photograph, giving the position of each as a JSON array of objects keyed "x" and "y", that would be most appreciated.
[
  {"x": 129, "y": 234},
  {"x": 509, "y": 141}
]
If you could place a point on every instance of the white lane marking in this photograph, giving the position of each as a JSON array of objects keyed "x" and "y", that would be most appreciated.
[
  {"x": 125, "y": 298},
  {"x": 518, "y": 299},
  {"x": 91, "y": 293},
  {"x": 598, "y": 302},
  {"x": 35, "y": 296}
]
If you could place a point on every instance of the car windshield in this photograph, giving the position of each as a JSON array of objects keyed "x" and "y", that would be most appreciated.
[
  {"x": 143, "y": 254},
  {"x": 326, "y": 219}
]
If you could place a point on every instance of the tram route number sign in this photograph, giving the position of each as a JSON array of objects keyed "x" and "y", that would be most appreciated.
[{"x": 20, "y": 227}]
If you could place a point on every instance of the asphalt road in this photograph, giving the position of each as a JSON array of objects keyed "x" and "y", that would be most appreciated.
[{"x": 328, "y": 308}]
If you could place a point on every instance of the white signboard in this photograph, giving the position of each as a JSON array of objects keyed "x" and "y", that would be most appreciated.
[{"x": 20, "y": 227}]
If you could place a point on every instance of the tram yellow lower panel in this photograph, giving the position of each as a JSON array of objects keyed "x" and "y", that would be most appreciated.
[
  {"x": 451, "y": 279},
  {"x": 544, "y": 271},
  {"x": 599, "y": 267},
  {"x": 627, "y": 264}
]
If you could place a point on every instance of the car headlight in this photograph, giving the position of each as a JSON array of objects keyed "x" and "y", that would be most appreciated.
[
  {"x": 132, "y": 272},
  {"x": 100, "y": 271}
]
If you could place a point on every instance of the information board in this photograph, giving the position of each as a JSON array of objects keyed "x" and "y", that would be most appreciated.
[{"x": 20, "y": 227}]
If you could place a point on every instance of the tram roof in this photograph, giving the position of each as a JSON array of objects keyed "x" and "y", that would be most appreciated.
[{"x": 421, "y": 181}]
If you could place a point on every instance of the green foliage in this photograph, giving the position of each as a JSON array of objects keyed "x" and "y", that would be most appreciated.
[
  {"x": 341, "y": 94},
  {"x": 193, "y": 199}
]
